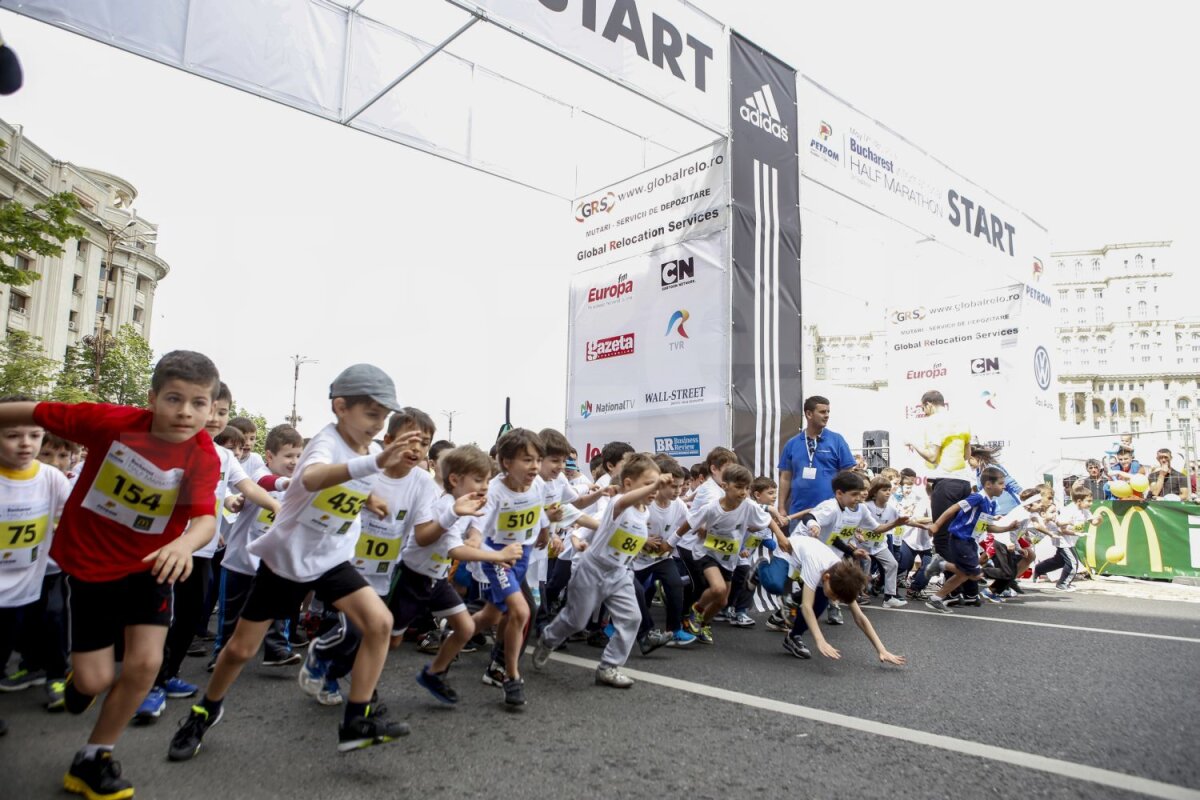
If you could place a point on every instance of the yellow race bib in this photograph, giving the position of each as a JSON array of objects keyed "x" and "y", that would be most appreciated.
[
  {"x": 724, "y": 548},
  {"x": 133, "y": 492},
  {"x": 623, "y": 545}
]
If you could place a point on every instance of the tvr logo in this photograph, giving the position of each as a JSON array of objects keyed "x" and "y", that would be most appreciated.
[{"x": 676, "y": 324}]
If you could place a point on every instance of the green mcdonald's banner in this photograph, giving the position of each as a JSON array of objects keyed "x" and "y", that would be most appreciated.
[{"x": 1155, "y": 540}]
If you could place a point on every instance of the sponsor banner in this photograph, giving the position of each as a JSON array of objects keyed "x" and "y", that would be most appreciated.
[
  {"x": 665, "y": 49},
  {"x": 1155, "y": 540},
  {"x": 765, "y": 177},
  {"x": 854, "y": 155},
  {"x": 986, "y": 352},
  {"x": 684, "y": 198},
  {"x": 650, "y": 333},
  {"x": 684, "y": 433}
]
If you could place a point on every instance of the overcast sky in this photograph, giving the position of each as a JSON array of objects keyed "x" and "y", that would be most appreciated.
[{"x": 288, "y": 234}]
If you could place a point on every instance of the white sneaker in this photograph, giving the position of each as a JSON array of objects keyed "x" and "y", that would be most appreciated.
[
  {"x": 611, "y": 676},
  {"x": 894, "y": 602}
]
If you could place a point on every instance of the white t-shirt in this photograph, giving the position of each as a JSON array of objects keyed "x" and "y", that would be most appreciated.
[
  {"x": 557, "y": 491},
  {"x": 433, "y": 561},
  {"x": 836, "y": 522},
  {"x": 30, "y": 504},
  {"x": 708, "y": 492},
  {"x": 253, "y": 463},
  {"x": 1072, "y": 523},
  {"x": 915, "y": 506},
  {"x": 617, "y": 542},
  {"x": 251, "y": 523},
  {"x": 662, "y": 522},
  {"x": 510, "y": 516},
  {"x": 725, "y": 531},
  {"x": 410, "y": 503},
  {"x": 316, "y": 531},
  {"x": 231, "y": 475},
  {"x": 874, "y": 542},
  {"x": 597, "y": 510},
  {"x": 809, "y": 559}
]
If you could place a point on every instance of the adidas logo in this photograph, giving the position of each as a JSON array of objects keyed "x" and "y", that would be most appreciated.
[{"x": 761, "y": 112}]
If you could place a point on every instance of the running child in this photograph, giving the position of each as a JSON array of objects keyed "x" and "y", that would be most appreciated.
[
  {"x": 966, "y": 522},
  {"x": 122, "y": 545},
  {"x": 826, "y": 576},
  {"x": 875, "y": 542},
  {"x": 513, "y": 514},
  {"x": 765, "y": 492},
  {"x": 721, "y": 529},
  {"x": 1072, "y": 523},
  {"x": 32, "y": 496},
  {"x": 603, "y": 575},
  {"x": 309, "y": 548},
  {"x": 654, "y": 564}
]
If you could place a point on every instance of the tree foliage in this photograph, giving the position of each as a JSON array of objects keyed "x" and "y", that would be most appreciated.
[
  {"x": 260, "y": 422},
  {"x": 40, "y": 230},
  {"x": 24, "y": 369},
  {"x": 126, "y": 364}
]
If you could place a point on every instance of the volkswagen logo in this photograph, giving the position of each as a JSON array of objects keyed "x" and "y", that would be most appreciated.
[{"x": 1041, "y": 367}]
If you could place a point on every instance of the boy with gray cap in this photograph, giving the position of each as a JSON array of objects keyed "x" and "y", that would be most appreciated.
[{"x": 311, "y": 548}]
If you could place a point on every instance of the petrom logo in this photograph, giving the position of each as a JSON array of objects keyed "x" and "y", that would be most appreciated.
[{"x": 1121, "y": 529}]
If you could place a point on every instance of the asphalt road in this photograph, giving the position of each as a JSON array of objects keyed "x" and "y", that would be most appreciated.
[{"x": 1085, "y": 698}]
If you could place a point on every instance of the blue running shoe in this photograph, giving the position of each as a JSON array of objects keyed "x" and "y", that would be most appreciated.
[
  {"x": 177, "y": 688},
  {"x": 152, "y": 707},
  {"x": 312, "y": 673}
]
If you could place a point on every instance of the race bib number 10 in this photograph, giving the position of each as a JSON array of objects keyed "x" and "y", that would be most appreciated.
[{"x": 133, "y": 492}]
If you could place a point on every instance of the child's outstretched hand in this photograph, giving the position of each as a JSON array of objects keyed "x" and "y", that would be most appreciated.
[
  {"x": 892, "y": 658},
  {"x": 470, "y": 505}
]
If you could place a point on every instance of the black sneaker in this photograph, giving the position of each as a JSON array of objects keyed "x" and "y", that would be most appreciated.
[
  {"x": 197, "y": 649},
  {"x": 437, "y": 686},
  {"x": 1016, "y": 588},
  {"x": 795, "y": 645},
  {"x": 281, "y": 659},
  {"x": 973, "y": 601},
  {"x": 297, "y": 637},
  {"x": 514, "y": 692},
  {"x": 97, "y": 778},
  {"x": 187, "y": 740},
  {"x": 369, "y": 731},
  {"x": 495, "y": 675}
]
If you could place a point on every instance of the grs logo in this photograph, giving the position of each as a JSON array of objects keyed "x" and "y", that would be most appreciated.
[
  {"x": 590, "y": 208},
  {"x": 1041, "y": 368},
  {"x": 610, "y": 347},
  {"x": 760, "y": 110},
  {"x": 679, "y": 272},
  {"x": 911, "y": 314},
  {"x": 985, "y": 366}
]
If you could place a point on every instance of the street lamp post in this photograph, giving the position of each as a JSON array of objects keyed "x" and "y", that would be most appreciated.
[
  {"x": 449, "y": 415},
  {"x": 297, "y": 360},
  {"x": 115, "y": 236}
]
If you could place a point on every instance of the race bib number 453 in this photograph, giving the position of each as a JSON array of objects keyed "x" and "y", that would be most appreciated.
[
  {"x": 133, "y": 492},
  {"x": 335, "y": 510}
]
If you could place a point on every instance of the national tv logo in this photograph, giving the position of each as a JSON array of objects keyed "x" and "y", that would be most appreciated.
[{"x": 760, "y": 110}]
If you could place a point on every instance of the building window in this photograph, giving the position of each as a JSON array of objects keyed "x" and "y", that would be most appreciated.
[
  {"x": 1099, "y": 315},
  {"x": 103, "y": 272},
  {"x": 1137, "y": 261},
  {"x": 137, "y": 314},
  {"x": 1079, "y": 293},
  {"x": 1095, "y": 265},
  {"x": 1143, "y": 309},
  {"x": 18, "y": 302},
  {"x": 1062, "y": 296},
  {"x": 1184, "y": 404},
  {"x": 1185, "y": 424},
  {"x": 1134, "y": 426},
  {"x": 1078, "y": 269},
  {"x": 1113, "y": 423},
  {"x": 77, "y": 284},
  {"x": 81, "y": 249},
  {"x": 73, "y": 321},
  {"x": 1082, "y": 314},
  {"x": 1135, "y": 406},
  {"x": 1097, "y": 294}
]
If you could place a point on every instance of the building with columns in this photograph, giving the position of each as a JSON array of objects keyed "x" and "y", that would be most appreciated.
[
  {"x": 102, "y": 281},
  {"x": 1128, "y": 343}
]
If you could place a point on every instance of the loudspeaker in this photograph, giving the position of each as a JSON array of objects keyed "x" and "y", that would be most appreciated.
[{"x": 877, "y": 449}]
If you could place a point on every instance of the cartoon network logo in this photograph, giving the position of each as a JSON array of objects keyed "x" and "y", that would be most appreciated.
[
  {"x": 760, "y": 110},
  {"x": 676, "y": 323}
]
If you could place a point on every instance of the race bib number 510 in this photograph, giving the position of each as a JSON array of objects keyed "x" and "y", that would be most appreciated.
[{"x": 133, "y": 492}]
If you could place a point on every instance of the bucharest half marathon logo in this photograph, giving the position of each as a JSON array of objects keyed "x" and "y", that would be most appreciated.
[{"x": 1041, "y": 368}]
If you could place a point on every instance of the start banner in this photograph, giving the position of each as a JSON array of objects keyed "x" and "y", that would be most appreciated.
[{"x": 1155, "y": 540}]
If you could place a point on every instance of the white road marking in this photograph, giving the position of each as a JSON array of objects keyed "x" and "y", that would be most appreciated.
[
  {"x": 981, "y": 618},
  {"x": 1016, "y": 758}
]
